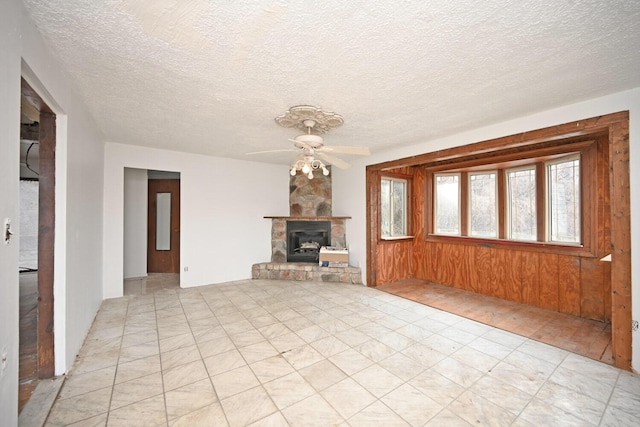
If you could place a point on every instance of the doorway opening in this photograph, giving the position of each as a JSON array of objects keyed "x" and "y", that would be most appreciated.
[
  {"x": 151, "y": 230},
  {"x": 37, "y": 215}
]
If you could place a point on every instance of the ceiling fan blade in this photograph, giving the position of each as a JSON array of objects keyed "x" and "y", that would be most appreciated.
[
  {"x": 345, "y": 149},
  {"x": 334, "y": 160},
  {"x": 272, "y": 151}
]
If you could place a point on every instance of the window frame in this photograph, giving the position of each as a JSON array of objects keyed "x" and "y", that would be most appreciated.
[
  {"x": 435, "y": 203},
  {"x": 537, "y": 157},
  {"x": 408, "y": 180},
  {"x": 496, "y": 207},
  {"x": 508, "y": 214},
  {"x": 549, "y": 207}
]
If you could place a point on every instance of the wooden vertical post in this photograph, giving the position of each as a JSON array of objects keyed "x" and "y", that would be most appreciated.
[
  {"x": 620, "y": 244},
  {"x": 46, "y": 238}
]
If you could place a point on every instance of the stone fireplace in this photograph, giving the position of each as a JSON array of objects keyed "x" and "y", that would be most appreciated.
[
  {"x": 297, "y": 238},
  {"x": 281, "y": 242}
]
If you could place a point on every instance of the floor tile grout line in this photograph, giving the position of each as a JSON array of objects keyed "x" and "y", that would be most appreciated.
[{"x": 164, "y": 391}]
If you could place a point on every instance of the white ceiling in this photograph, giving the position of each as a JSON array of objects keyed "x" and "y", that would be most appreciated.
[{"x": 209, "y": 77}]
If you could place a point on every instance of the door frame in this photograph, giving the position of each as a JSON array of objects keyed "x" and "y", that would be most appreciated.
[
  {"x": 46, "y": 231},
  {"x": 169, "y": 259}
]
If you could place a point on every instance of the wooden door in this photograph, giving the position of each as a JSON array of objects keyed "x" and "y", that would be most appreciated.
[{"x": 163, "y": 226}]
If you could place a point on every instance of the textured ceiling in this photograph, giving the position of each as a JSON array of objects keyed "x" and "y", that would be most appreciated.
[{"x": 210, "y": 77}]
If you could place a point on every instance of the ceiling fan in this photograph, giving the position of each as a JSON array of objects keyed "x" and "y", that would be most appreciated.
[{"x": 310, "y": 145}]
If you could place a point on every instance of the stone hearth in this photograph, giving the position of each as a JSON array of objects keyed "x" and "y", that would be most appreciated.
[{"x": 305, "y": 271}]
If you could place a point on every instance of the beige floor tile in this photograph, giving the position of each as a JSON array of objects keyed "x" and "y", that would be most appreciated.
[
  {"x": 312, "y": 333},
  {"x": 329, "y": 346},
  {"x": 375, "y": 350},
  {"x": 411, "y": 405},
  {"x": 224, "y": 362},
  {"x": 351, "y": 361},
  {"x": 138, "y": 351},
  {"x": 177, "y": 342},
  {"x": 377, "y": 380},
  {"x": 287, "y": 342},
  {"x": 258, "y": 351},
  {"x": 457, "y": 372},
  {"x": 234, "y": 382},
  {"x": 377, "y": 414},
  {"x": 240, "y": 414},
  {"x": 347, "y": 397},
  {"x": 312, "y": 411},
  {"x": 303, "y": 356},
  {"x": 136, "y": 390},
  {"x": 244, "y": 339},
  {"x": 184, "y": 374},
  {"x": 216, "y": 346},
  {"x": 272, "y": 329},
  {"x": 448, "y": 419},
  {"x": 583, "y": 406},
  {"x": 273, "y": 420},
  {"x": 179, "y": 356},
  {"x": 479, "y": 411},
  {"x": 189, "y": 398},
  {"x": 149, "y": 412},
  {"x": 203, "y": 334},
  {"x": 289, "y": 389},
  {"x": 77, "y": 408},
  {"x": 504, "y": 395},
  {"x": 437, "y": 387},
  {"x": 322, "y": 374},
  {"x": 139, "y": 338},
  {"x": 402, "y": 366},
  {"x": 77, "y": 384},
  {"x": 138, "y": 368},
  {"x": 269, "y": 369},
  {"x": 211, "y": 415}
]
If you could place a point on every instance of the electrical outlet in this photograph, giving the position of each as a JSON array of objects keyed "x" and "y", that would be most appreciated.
[{"x": 634, "y": 325}]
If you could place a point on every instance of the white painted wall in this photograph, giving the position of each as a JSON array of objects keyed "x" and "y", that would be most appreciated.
[
  {"x": 9, "y": 206},
  {"x": 349, "y": 196},
  {"x": 135, "y": 222},
  {"x": 28, "y": 224},
  {"x": 79, "y": 195},
  {"x": 223, "y": 202}
]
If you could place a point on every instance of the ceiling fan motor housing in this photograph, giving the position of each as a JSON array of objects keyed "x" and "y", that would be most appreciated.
[{"x": 315, "y": 141}]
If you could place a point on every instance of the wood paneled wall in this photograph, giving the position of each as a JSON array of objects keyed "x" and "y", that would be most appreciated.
[
  {"x": 564, "y": 283},
  {"x": 576, "y": 284}
]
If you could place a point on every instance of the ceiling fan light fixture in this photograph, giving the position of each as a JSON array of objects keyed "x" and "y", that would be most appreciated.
[{"x": 307, "y": 165}]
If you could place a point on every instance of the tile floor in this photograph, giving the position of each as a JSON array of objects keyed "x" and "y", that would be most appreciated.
[{"x": 272, "y": 353}]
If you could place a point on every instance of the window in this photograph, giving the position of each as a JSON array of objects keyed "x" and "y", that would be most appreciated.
[
  {"x": 447, "y": 204},
  {"x": 521, "y": 204},
  {"x": 521, "y": 199},
  {"x": 563, "y": 183},
  {"x": 393, "y": 207},
  {"x": 483, "y": 220}
]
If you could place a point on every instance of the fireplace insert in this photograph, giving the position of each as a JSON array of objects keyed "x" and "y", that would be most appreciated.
[{"x": 305, "y": 238}]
